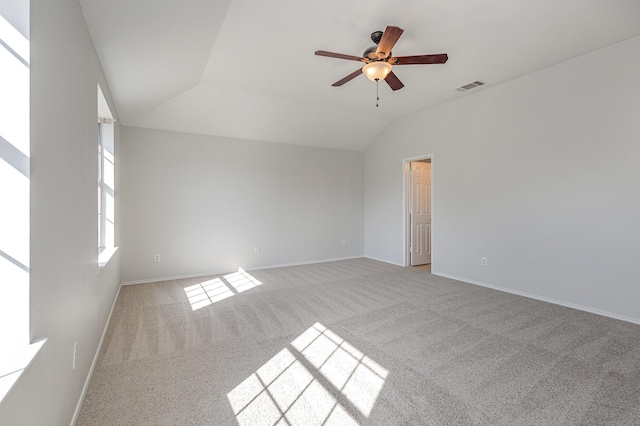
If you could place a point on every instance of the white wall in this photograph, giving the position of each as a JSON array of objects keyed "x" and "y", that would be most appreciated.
[
  {"x": 540, "y": 175},
  {"x": 203, "y": 203},
  {"x": 70, "y": 298}
]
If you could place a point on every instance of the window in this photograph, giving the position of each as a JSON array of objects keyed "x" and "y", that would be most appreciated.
[
  {"x": 106, "y": 175},
  {"x": 17, "y": 351},
  {"x": 14, "y": 185}
]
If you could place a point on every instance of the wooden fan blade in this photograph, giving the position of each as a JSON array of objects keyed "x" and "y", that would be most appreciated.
[
  {"x": 419, "y": 59},
  {"x": 338, "y": 55},
  {"x": 348, "y": 78},
  {"x": 393, "y": 81},
  {"x": 388, "y": 40}
]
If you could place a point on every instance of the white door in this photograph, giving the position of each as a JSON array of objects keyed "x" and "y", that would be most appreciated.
[{"x": 420, "y": 213}]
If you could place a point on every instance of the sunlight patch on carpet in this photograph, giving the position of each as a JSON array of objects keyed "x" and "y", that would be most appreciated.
[
  {"x": 242, "y": 280},
  {"x": 211, "y": 291},
  {"x": 310, "y": 382},
  {"x": 207, "y": 292}
]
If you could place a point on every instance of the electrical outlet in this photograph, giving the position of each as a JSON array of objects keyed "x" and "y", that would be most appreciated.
[
  {"x": 75, "y": 355},
  {"x": 156, "y": 258},
  {"x": 256, "y": 249},
  {"x": 483, "y": 261},
  {"x": 344, "y": 243}
]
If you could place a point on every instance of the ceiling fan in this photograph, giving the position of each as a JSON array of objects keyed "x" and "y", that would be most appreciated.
[{"x": 379, "y": 62}]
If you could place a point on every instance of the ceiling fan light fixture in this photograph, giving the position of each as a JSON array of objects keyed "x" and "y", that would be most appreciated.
[{"x": 378, "y": 70}]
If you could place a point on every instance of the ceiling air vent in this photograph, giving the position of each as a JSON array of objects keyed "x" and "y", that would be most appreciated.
[{"x": 470, "y": 86}]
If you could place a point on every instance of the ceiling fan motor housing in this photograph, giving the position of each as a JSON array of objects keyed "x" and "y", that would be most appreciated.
[{"x": 370, "y": 54}]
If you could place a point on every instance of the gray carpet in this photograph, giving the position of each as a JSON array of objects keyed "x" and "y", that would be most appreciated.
[{"x": 357, "y": 342}]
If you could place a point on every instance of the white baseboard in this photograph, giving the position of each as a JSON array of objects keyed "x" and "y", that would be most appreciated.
[
  {"x": 95, "y": 360},
  {"x": 542, "y": 298},
  {"x": 220, "y": 272},
  {"x": 383, "y": 260}
]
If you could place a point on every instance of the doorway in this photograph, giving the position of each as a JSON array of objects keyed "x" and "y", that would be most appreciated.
[{"x": 418, "y": 226}]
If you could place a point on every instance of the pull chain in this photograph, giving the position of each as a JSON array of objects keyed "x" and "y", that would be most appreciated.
[{"x": 377, "y": 93}]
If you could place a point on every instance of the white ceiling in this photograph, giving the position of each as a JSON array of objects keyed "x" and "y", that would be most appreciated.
[{"x": 246, "y": 68}]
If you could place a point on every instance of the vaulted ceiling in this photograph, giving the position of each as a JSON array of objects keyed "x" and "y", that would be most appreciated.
[{"x": 246, "y": 68}]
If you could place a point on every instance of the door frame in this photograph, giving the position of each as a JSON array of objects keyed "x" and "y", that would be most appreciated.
[{"x": 406, "y": 201}]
